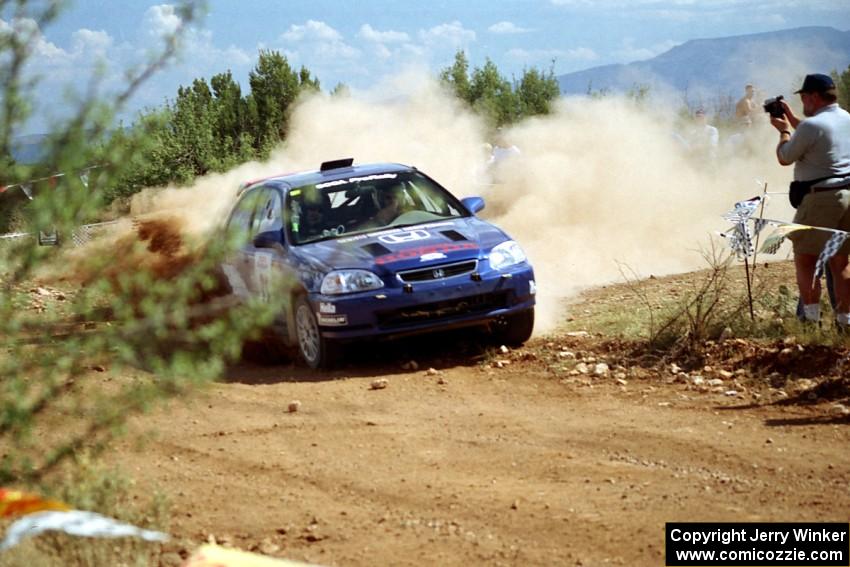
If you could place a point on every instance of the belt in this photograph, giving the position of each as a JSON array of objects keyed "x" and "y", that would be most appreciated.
[{"x": 822, "y": 189}]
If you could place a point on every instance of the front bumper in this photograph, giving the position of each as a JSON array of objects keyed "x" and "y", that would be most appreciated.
[{"x": 427, "y": 306}]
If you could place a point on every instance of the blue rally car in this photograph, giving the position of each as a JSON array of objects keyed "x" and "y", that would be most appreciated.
[{"x": 375, "y": 251}]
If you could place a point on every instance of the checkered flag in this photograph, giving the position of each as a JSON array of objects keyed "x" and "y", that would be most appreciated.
[
  {"x": 740, "y": 241},
  {"x": 832, "y": 246}
]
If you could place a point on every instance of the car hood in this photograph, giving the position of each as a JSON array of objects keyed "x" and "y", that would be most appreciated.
[{"x": 391, "y": 250}]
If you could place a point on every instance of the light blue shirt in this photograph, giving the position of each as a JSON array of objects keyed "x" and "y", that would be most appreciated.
[{"x": 820, "y": 147}]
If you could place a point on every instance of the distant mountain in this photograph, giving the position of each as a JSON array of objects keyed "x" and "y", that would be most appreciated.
[{"x": 774, "y": 62}]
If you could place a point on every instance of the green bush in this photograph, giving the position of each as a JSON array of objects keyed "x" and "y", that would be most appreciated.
[{"x": 124, "y": 327}]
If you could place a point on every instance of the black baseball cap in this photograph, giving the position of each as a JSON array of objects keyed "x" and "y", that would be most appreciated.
[{"x": 816, "y": 83}]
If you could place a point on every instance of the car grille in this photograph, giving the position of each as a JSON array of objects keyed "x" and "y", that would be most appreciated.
[
  {"x": 438, "y": 272},
  {"x": 442, "y": 310}
]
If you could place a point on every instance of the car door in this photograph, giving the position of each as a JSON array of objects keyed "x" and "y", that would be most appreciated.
[
  {"x": 265, "y": 264},
  {"x": 238, "y": 266}
]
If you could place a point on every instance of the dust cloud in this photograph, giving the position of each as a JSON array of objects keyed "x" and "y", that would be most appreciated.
[
  {"x": 603, "y": 186},
  {"x": 598, "y": 185}
]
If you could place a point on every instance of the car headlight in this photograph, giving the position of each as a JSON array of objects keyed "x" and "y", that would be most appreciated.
[
  {"x": 505, "y": 255},
  {"x": 350, "y": 281}
]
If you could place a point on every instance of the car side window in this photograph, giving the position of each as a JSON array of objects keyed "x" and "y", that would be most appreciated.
[
  {"x": 241, "y": 219},
  {"x": 268, "y": 213},
  {"x": 430, "y": 198}
]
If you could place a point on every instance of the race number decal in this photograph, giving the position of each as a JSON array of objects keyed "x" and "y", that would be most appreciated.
[{"x": 262, "y": 275}]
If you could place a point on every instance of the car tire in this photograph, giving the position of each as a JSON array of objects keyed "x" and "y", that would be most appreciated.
[
  {"x": 317, "y": 351},
  {"x": 515, "y": 329}
]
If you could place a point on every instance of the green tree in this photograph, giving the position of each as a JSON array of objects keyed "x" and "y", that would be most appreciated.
[
  {"x": 192, "y": 124},
  {"x": 456, "y": 77},
  {"x": 274, "y": 87},
  {"x": 142, "y": 310},
  {"x": 536, "y": 91},
  {"x": 307, "y": 81},
  {"x": 842, "y": 81},
  {"x": 492, "y": 95},
  {"x": 495, "y": 97},
  {"x": 340, "y": 90},
  {"x": 230, "y": 121}
]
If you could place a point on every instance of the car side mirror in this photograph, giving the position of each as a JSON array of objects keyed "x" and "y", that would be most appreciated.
[
  {"x": 474, "y": 204},
  {"x": 268, "y": 239}
]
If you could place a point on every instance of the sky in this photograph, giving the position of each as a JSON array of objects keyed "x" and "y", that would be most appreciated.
[{"x": 363, "y": 43}]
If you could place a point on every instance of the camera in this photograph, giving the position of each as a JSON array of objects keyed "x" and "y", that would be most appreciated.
[{"x": 773, "y": 106}]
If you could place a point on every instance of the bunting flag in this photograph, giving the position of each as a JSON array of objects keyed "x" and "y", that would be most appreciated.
[
  {"x": 17, "y": 503},
  {"x": 774, "y": 241},
  {"x": 832, "y": 245},
  {"x": 740, "y": 241},
  {"x": 74, "y": 522},
  {"x": 26, "y": 186},
  {"x": 743, "y": 210}
]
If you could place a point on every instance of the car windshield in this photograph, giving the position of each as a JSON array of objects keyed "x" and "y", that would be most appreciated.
[{"x": 366, "y": 203}]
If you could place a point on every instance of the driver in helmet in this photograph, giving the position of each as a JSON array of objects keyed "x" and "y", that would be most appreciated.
[{"x": 392, "y": 205}]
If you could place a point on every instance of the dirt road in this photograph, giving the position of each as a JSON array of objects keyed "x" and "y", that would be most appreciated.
[{"x": 478, "y": 464}]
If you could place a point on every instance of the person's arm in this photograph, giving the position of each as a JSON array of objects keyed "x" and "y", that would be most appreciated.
[
  {"x": 783, "y": 125},
  {"x": 784, "y": 137},
  {"x": 791, "y": 147}
]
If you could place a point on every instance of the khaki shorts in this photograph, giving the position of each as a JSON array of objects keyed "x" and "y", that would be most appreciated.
[{"x": 828, "y": 209}]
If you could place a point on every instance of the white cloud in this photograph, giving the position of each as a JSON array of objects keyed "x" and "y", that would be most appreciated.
[
  {"x": 453, "y": 34},
  {"x": 369, "y": 33},
  {"x": 319, "y": 40},
  {"x": 162, "y": 20},
  {"x": 91, "y": 41},
  {"x": 506, "y": 28},
  {"x": 311, "y": 31},
  {"x": 199, "y": 46},
  {"x": 382, "y": 52},
  {"x": 41, "y": 47}
]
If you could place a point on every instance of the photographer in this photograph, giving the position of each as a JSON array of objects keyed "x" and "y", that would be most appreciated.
[{"x": 819, "y": 148}]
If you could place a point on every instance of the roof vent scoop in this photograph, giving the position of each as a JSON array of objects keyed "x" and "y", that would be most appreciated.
[
  {"x": 336, "y": 164},
  {"x": 454, "y": 235}
]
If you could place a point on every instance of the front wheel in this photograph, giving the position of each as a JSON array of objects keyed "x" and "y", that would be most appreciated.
[
  {"x": 514, "y": 330},
  {"x": 317, "y": 351}
]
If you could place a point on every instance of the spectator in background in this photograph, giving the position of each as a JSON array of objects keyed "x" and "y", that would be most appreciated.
[
  {"x": 819, "y": 148},
  {"x": 502, "y": 149},
  {"x": 746, "y": 107},
  {"x": 702, "y": 138}
]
